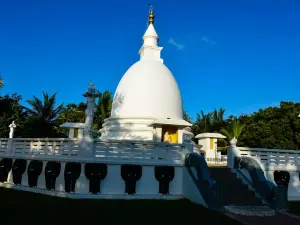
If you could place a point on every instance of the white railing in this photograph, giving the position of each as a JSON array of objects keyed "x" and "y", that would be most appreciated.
[
  {"x": 110, "y": 151},
  {"x": 140, "y": 151},
  {"x": 45, "y": 147},
  {"x": 276, "y": 157},
  {"x": 4, "y": 145},
  {"x": 218, "y": 160}
]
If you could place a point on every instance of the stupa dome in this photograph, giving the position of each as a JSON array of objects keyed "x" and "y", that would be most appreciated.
[
  {"x": 148, "y": 90},
  {"x": 147, "y": 103}
]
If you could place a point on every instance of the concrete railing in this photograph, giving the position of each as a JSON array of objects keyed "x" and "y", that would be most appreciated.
[
  {"x": 18, "y": 153},
  {"x": 272, "y": 157},
  {"x": 219, "y": 160},
  {"x": 271, "y": 161},
  {"x": 116, "y": 152}
]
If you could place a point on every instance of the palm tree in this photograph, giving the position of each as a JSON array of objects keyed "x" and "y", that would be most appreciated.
[
  {"x": 206, "y": 119},
  {"x": 234, "y": 131},
  {"x": 186, "y": 116},
  {"x": 217, "y": 120},
  {"x": 45, "y": 110},
  {"x": 42, "y": 114},
  {"x": 1, "y": 82},
  {"x": 103, "y": 108},
  {"x": 218, "y": 115}
]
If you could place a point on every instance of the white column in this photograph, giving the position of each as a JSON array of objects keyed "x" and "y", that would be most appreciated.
[
  {"x": 89, "y": 116},
  {"x": 80, "y": 133},
  {"x": 180, "y": 136},
  {"x": 158, "y": 134},
  {"x": 71, "y": 133},
  {"x": 232, "y": 152}
]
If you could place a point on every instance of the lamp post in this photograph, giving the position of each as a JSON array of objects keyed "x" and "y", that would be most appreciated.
[{"x": 91, "y": 94}]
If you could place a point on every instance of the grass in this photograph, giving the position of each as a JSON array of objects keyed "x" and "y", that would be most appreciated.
[{"x": 19, "y": 208}]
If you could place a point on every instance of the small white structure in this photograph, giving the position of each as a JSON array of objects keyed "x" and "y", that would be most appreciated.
[
  {"x": 147, "y": 104},
  {"x": 12, "y": 128},
  {"x": 75, "y": 130},
  {"x": 209, "y": 143}
]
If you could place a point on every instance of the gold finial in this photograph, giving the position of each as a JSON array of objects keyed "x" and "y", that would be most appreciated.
[{"x": 151, "y": 15}]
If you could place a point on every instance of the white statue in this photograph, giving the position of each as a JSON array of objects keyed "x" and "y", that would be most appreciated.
[
  {"x": 167, "y": 137},
  {"x": 12, "y": 127},
  {"x": 187, "y": 135}
]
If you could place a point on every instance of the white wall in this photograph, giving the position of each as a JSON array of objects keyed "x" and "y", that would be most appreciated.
[{"x": 113, "y": 184}]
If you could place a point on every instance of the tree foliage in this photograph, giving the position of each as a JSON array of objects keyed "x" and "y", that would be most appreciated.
[
  {"x": 72, "y": 113},
  {"x": 186, "y": 117},
  {"x": 210, "y": 122},
  {"x": 233, "y": 129},
  {"x": 103, "y": 108},
  {"x": 11, "y": 110},
  {"x": 41, "y": 117},
  {"x": 1, "y": 82},
  {"x": 272, "y": 127}
]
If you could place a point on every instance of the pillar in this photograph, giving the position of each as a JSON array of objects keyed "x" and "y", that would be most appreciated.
[{"x": 232, "y": 152}]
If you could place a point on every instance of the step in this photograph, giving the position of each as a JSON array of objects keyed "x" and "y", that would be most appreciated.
[
  {"x": 250, "y": 210},
  {"x": 278, "y": 219}
]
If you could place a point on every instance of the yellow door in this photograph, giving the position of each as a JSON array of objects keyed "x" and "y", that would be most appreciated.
[
  {"x": 212, "y": 144},
  {"x": 170, "y": 134},
  {"x": 76, "y": 133}
]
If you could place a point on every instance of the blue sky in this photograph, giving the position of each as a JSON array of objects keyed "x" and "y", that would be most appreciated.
[{"x": 239, "y": 55}]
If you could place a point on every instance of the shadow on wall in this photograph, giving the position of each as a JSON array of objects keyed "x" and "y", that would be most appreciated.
[
  {"x": 118, "y": 101},
  {"x": 126, "y": 133}
]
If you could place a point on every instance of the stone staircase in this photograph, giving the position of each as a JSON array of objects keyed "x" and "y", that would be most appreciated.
[
  {"x": 243, "y": 205},
  {"x": 237, "y": 197}
]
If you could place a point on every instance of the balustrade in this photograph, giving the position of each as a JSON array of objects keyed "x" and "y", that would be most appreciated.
[
  {"x": 272, "y": 156},
  {"x": 64, "y": 149}
]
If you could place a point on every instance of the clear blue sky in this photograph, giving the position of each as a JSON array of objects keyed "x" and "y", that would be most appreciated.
[{"x": 239, "y": 55}]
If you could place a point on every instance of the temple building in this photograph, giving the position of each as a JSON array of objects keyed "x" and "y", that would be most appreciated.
[
  {"x": 147, "y": 104},
  {"x": 131, "y": 161}
]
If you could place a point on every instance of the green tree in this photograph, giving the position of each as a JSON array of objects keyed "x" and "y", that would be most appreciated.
[
  {"x": 273, "y": 127},
  {"x": 186, "y": 117},
  {"x": 1, "y": 82},
  {"x": 210, "y": 122},
  {"x": 72, "y": 113},
  {"x": 11, "y": 110},
  {"x": 103, "y": 108},
  {"x": 42, "y": 115},
  {"x": 217, "y": 122},
  {"x": 233, "y": 130}
]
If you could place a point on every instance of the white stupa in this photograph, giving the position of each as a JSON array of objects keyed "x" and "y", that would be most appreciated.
[{"x": 147, "y": 104}]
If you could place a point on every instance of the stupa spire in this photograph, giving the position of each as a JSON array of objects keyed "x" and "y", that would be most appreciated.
[
  {"x": 150, "y": 37},
  {"x": 150, "y": 49},
  {"x": 151, "y": 15}
]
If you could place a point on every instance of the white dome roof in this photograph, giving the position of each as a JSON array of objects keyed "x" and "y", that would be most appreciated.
[{"x": 147, "y": 90}]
